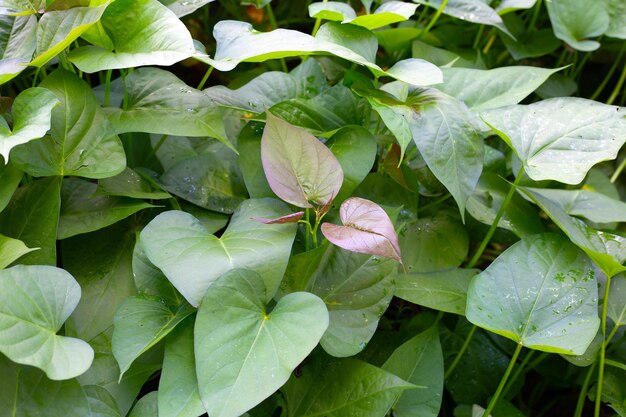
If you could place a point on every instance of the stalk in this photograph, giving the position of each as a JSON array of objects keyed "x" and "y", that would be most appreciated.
[
  {"x": 605, "y": 306},
  {"x": 618, "y": 87},
  {"x": 459, "y": 355},
  {"x": 433, "y": 20},
  {"x": 205, "y": 78},
  {"x": 496, "y": 396}
]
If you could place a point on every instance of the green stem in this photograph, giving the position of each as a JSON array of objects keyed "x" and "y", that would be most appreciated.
[
  {"x": 494, "y": 225},
  {"x": 489, "y": 44},
  {"x": 479, "y": 35},
  {"x": 518, "y": 372},
  {"x": 156, "y": 148},
  {"x": 274, "y": 25},
  {"x": 459, "y": 355},
  {"x": 615, "y": 364},
  {"x": 618, "y": 87},
  {"x": 317, "y": 25},
  {"x": 609, "y": 74},
  {"x": 583, "y": 392},
  {"x": 433, "y": 20},
  {"x": 205, "y": 78},
  {"x": 618, "y": 171},
  {"x": 496, "y": 396},
  {"x": 605, "y": 305},
  {"x": 580, "y": 67},
  {"x": 434, "y": 203},
  {"x": 35, "y": 77},
  {"x": 533, "y": 19},
  {"x": 107, "y": 88}
]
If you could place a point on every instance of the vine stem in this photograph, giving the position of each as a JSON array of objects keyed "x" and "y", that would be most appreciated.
[
  {"x": 503, "y": 381},
  {"x": 618, "y": 171},
  {"x": 433, "y": 20},
  {"x": 459, "y": 355},
  {"x": 535, "y": 15},
  {"x": 494, "y": 225},
  {"x": 518, "y": 372},
  {"x": 605, "y": 306},
  {"x": 205, "y": 78},
  {"x": 583, "y": 392},
  {"x": 318, "y": 23},
  {"x": 609, "y": 74},
  {"x": 618, "y": 87}
]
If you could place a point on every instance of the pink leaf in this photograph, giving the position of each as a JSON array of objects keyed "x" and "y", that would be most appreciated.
[
  {"x": 289, "y": 218},
  {"x": 299, "y": 168},
  {"x": 366, "y": 229}
]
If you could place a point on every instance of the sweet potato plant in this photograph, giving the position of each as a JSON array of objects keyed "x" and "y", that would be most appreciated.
[{"x": 312, "y": 209}]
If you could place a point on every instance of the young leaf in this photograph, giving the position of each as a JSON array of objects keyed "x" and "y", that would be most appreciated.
[
  {"x": 243, "y": 352},
  {"x": 299, "y": 168},
  {"x": 541, "y": 293},
  {"x": 11, "y": 250},
  {"x": 192, "y": 258},
  {"x": 419, "y": 361},
  {"x": 140, "y": 323},
  {"x": 386, "y": 14},
  {"x": 32, "y": 111},
  {"x": 35, "y": 302},
  {"x": 289, "y": 218},
  {"x": 129, "y": 183},
  {"x": 155, "y": 37},
  {"x": 560, "y": 138},
  {"x": 81, "y": 141},
  {"x": 366, "y": 229},
  {"x": 575, "y": 21}
]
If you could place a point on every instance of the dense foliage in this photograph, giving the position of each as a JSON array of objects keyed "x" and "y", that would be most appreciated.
[{"x": 308, "y": 209}]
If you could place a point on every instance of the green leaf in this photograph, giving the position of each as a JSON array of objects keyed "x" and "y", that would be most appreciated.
[
  {"x": 140, "y": 323},
  {"x": 355, "y": 149},
  {"x": 32, "y": 111},
  {"x": 332, "y": 10},
  {"x": 591, "y": 205},
  {"x": 32, "y": 217},
  {"x": 439, "y": 290},
  {"x": 299, "y": 168},
  {"x": 210, "y": 180},
  {"x": 560, "y": 138},
  {"x": 36, "y": 300},
  {"x": 159, "y": 102},
  {"x": 575, "y": 21},
  {"x": 57, "y": 29},
  {"x": 22, "y": 7},
  {"x": 83, "y": 212},
  {"x": 249, "y": 160},
  {"x": 11, "y": 250},
  {"x": 17, "y": 43},
  {"x": 488, "y": 89},
  {"x": 443, "y": 131},
  {"x": 434, "y": 243},
  {"x": 101, "y": 264},
  {"x": 182, "y": 7},
  {"x": 147, "y": 406},
  {"x": 156, "y": 37},
  {"x": 149, "y": 279},
  {"x": 130, "y": 184},
  {"x": 419, "y": 361},
  {"x": 81, "y": 141},
  {"x": 387, "y": 14},
  {"x": 192, "y": 258},
  {"x": 356, "y": 288},
  {"x": 243, "y": 352},
  {"x": 352, "y": 388},
  {"x": 25, "y": 391},
  {"x": 101, "y": 403},
  {"x": 541, "y": 293},
  {"x": 532, "y": 44},
  {"x": 475, "y": 11},
  {"x": 617, "y": 18},
  {"x": 10, "y": 178},
  {"x": 519, "y": 215},
  {"x": 616, "y": 308},
  {"x": 606, "y": 250},
  {"x": 507, "y": 6},
  {"x": 178, "y": 386}
]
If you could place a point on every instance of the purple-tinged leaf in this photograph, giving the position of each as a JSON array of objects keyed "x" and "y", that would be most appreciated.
[
  {"x": 299, "y": 168},
  {"x": 366, "y": 229},
  {"x": 289, "y": 218}
]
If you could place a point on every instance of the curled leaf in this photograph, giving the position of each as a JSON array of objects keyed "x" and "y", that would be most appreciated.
[
  {"x": 299, "y": 168},
  {"x": 366, "y": 229},
  {"x": 289, "y": 218}
]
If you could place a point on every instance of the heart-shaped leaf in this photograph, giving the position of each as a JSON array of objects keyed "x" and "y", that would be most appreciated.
[
  {"x": 299, "y": 168},
  {"x": 541, "y": 293},
  {"x": 243, "y": 352},
  {"x": 183, "y": 7},
  {"x": 32, "y": 112},
  {"x": 560, "y": 138},
  {"x": 575, "y": 21},
  {"x": 387, "y": 14},
  {"x": 81, "y": 141},
  {"x": 617, "y": 18},
  {"x": 155, "y": 37},
  {"x": 35, "y": 301},
  {"x": 366, "y": 229},
  {"x": 192, "y": 258}
]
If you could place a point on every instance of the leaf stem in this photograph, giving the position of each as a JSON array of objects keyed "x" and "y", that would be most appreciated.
[
  {"x": 503, "y": 381},
  {"x": 479, "y": 35},
  {"x": 618, "y": 171},
  {"x": 533, "y": 19},
  {"x": 459, "y": 355},
  {"x": 609, "y": 74},
  {"x": 318, "y": 22},
  {"x": 205, "y": 78},
  {"x": 605, "y": 306},
  {"x": 583, "y": 392},
  {"x": 518, "y": 372},
  {"x": 433, "y": 20},
  {"x": 494, "y": 225},
  {"x": 307, "y": 245},
  {"x": 618, "y": 87},
  {"x": 107, "y": 88}
]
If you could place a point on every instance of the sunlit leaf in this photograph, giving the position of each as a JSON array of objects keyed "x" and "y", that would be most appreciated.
[
  {"x": 192, "y": 258},
  {"x": 233, "y": 326},
  {"x": 541, "y": 293},
  {"x": 184, "y": 7},
  {"x": 32, "y": 112},
  {"x": 299, "y": 168},
  {"x": 560, "y": 138},
  {"x": 36, "y": 301},
  {"x": 11, "y": 249},
  {"x": 366, "y": 229},
  {"x": 507, "y": 6},
  {"x": 17, "y": 44},
  {"x": 388, "y": 13}
]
